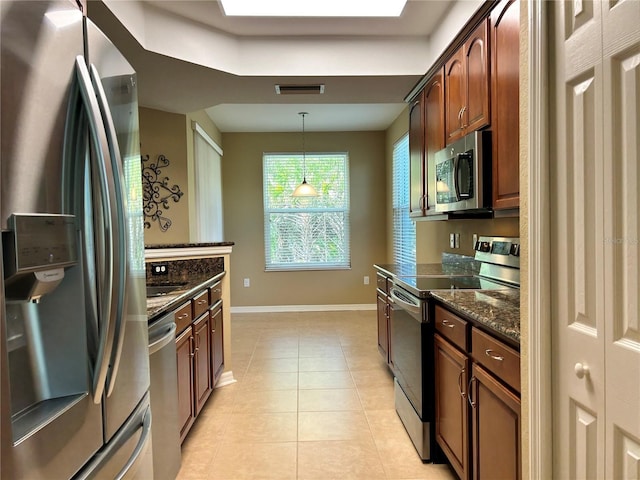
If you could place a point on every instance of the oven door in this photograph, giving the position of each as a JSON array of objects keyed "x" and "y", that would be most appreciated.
[{"x": 410, "y": 346}]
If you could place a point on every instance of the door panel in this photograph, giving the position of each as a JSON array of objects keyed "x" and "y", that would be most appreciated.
[
  {"x": 621, "y": 62},
  {"x": 476, "y": 115},
  {"x": 595, "y": 231},
  {"x": 577, "y": 236}
]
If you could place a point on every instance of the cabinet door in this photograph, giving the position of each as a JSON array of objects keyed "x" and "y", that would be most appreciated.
[
  {"x": 434, "y": 131},
  {"x": 416, "y": 157},
  {"x": 496, "y": 428},
  {"x": 476, "y": 58},
  {"x": 202, "y": 361},
  {"x": 217, "y": 344},
  {"x": 184, "y": 358},
  {"x": 505, "y": 33},
  {"x": 383, "y": 327},
  {"x": 455, "y": 96},
  {"x": 452, "y": 411}
]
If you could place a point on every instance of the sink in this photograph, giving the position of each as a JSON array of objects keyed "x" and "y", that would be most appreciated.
[{"x": 165, "y": 289}]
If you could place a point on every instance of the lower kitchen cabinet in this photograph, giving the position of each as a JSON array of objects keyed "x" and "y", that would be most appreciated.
[
  {"x": 477, "y": 388},
  {"x": 383, "y": 326},
  {"x": 217, "y": 344},
  {"x": 496, "y": 428},
  {"x": 184, "y": 358},
  {"x": 452, "y": 410},
  {"x": 199, "y": 353},
  {"x": 384, "y": 333},
  {"x": 202, "y": 361}
]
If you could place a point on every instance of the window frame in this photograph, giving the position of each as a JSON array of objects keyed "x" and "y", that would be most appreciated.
[
  {"x": 402, "y": 223},
  {"x": 306, "y": 206}
]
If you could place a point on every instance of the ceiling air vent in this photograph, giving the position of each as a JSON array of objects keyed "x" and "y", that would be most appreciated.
[{"x": 300, "y": 89}]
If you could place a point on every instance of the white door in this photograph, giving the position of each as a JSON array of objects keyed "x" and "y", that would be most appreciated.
[{"x": 595, "y": 151}]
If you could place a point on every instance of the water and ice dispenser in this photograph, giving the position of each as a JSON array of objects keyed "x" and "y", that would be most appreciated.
[{"x": 46, "y": 331}]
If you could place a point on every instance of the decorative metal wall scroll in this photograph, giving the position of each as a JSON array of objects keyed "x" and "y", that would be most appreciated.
[{"x": 156, "y": 192}]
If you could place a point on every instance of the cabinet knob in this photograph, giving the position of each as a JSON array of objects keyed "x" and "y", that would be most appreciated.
[
  {"x": 581, "y": 370},
  {"x": 447, "y": 324}
]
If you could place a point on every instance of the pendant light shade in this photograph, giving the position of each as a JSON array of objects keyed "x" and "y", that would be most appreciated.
[{"x": 304, "y": 189}]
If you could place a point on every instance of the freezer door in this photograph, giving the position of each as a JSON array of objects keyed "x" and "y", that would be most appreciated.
[
  {"x": 49, "y": 422},
  {"x": 129, "y": 453},
  {"x": 115, "y": 82}
]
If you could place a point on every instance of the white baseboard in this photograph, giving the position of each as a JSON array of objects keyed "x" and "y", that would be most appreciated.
[
  {"x": 303, "y": 308},
  {"x": 226, "y": 379}
]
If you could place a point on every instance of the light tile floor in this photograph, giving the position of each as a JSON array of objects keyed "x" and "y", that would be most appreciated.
[{"x": 314, "y": 400}]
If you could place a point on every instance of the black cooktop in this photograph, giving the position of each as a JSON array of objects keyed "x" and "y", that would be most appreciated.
[{"x": 421, "y": 286}]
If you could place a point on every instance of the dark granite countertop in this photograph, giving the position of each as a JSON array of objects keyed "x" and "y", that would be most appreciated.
[
  {"x": 188, "y": 245},
  {"x": 498, "y": 310},
  {"x": 159, "y": 305}
]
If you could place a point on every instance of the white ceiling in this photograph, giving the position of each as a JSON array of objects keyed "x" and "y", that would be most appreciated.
[{"x": 189, "y": 56}]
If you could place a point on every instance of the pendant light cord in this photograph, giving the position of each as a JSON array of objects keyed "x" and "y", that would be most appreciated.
[{"x": 304, "y": 150}]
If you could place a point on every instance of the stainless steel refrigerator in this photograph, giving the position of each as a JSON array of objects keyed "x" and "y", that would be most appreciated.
[{"x": 74, "y": 363}]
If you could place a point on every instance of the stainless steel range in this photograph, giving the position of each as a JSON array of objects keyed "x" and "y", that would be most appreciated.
[{"x": 411, "y": 330}]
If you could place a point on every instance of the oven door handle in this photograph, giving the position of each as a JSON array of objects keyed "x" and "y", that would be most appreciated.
[{"x": 404, "y": 301}]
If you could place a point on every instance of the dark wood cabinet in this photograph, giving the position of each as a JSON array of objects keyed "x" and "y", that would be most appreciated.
[
  {"x": 477, "y": 385},
  {"x": 452, "y": 411},
  {"x": 199, "y": 352},
  {"x": 417, "y": 171},
  {"x": 455, "y": 95},
  {"x": 466, "y": 78},
  {"x": 426, "y": 137},
  {"x": 203, "y": 380},
  {"x": 184, "y": 358},
  {"x": 217, "y": 344},
  {"x": 383, "y": 326},
  {"x": 434, "y": 133},
  {"x": 505, "y": 97},
  {"x": 496, "y": 428},
  {"x": 382, "y": 299}
]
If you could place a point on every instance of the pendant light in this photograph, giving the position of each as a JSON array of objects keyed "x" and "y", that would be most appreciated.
[{"x": 304, "y": 189}]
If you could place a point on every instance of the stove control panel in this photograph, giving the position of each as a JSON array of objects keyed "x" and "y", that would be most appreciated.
[{"x": 498, "y": 250}]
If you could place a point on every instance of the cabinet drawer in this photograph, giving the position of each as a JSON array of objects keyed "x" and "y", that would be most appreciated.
[
  {"x": 382, "y": 283},
  {"x": 183, "y": 317},
  {"x": 495, "y": 356},
  {"x": 215, "y": 293},
  {"x": 452, "y": 327},
  {"x": 200, "y": 303}
]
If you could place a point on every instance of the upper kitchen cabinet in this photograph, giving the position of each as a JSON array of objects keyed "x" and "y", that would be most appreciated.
[
  {"x": 467, "y": 85},
  {"x": 426, "y": 137},
  {"x": 505, "y": 30},
  {"x": 417, "y": 170},
  {"x": 434, "y": 129}
]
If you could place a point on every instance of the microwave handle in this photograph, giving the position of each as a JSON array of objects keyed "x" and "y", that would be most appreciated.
[{"x": 456, "y": 176}]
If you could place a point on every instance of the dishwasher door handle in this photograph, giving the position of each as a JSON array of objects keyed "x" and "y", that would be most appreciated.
[
  {"x": 404, "y": 302},
  {"x": 164, "y": 340}
]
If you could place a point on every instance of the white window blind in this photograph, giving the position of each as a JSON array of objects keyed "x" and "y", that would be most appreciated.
[
  {"x": 404, "y": 230},
  {"x": 306, "y": 233},
  {"x": 208, "y": 191}
]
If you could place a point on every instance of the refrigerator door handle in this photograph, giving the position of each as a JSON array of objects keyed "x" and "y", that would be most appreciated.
[
  {"x": 98, "y": 138},
  {"x": 118, "y": 205},
  {"x": 141, "y": 447}
]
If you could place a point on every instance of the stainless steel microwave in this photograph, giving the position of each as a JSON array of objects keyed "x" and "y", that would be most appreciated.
[{"x": 461, "y": 174}]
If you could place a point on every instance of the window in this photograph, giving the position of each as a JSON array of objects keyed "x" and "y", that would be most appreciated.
[
  {"x": 208, "y": 186},
  {"x": 306, "y": 233},
  {"x": 404, "y": 230}
]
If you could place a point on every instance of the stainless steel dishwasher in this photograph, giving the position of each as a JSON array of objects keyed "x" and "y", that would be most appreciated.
[{"x": 165, "y": 431}]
